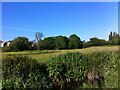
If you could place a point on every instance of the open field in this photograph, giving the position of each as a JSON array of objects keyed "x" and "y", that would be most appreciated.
[{"x": 44, "y": 55}]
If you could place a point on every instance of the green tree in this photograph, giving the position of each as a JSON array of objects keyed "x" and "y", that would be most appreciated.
[
  {"x": 61, "y": 42},
  {"x": 97, "y": 42},
  {"x": 41, "y": 45},
  {"x": 94, "y": 41},
  {"x": 19, "y": 44},
  {"x": 85, "y": 44},
  {"x": 47, "y": 43},
  {"x": 75, "y": 42}
]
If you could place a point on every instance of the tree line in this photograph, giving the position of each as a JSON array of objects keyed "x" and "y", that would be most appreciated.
[{"x": 59, "y": 42}]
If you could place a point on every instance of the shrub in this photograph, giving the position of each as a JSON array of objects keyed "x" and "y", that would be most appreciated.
[
  {"x": 6, "y": 49},
  {"x": 23, "y": 72}
]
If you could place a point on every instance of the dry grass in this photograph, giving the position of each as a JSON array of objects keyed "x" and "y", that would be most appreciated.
[{"x": 44, "y": 55}]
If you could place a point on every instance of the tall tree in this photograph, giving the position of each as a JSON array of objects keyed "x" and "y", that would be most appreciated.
[
  {"x": 38, "y": 37},
  {"x": 61, "y": 42},
  {"x": 75, "y": 42},
  {"x": 47, "y": 43},
  {"x": 19, "y": 44}
]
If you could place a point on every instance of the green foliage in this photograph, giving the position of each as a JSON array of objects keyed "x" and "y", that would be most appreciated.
[
  {"x": 41, "y": 45},
  {"x": 61, "y": 42},
  {"x": 97, "y": 42},
  {"x": 85, "y": 44},
  {"x": 6, "y": 49},
  {"x": 47, "y": 44},
  {"x": 112, "y": 70},
  {"x": 58, "y": 42},
  {"x": 114, "y": 38},
  {"x": 106, "y": 63},
  {"x": 19, "y": 44},
  {"x": 67, "y": 68},
  {"x": 114, "y": 41},
  {"x": 70, "y": 70},
  {"x": 96, "y": 61},
  {"x": 32, "y": 45},
  {"x": 66, "y": 71},
  {"x": 22, "y": 72},
  {"x": 75, "y": 42}
]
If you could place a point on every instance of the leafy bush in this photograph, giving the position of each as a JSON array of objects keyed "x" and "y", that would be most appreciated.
[
  {"x": 6, "y": 49},
  {"x": 19, "y": 44},
  {"x": 23, "y": 72}
]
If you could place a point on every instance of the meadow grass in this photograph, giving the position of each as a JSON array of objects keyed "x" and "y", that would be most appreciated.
[{"x": 44, "y": 55}]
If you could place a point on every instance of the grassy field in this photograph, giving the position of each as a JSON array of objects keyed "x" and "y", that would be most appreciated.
[{"x": 44, "y": 55}]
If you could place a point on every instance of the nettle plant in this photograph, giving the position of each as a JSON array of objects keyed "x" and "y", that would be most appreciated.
[{"x": 67, "y": 69}]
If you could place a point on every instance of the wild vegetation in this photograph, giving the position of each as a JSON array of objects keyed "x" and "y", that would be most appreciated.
[
  {"x": 69, "y": 70},
  {"x": 21, "y": 72},
  {"x": 61, "y": 63}
]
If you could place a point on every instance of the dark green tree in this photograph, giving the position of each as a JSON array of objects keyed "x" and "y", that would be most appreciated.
[
  {"x": 85, "y": 44},
  {"x": 97, "y": 42},
  {"x": 42, "y": 45},
  {"x": 75, "y": 42},
  {"x": 47, "y": 43},
  {"x": 61, "y": 42},
  {"x": 19, "y": 44}
]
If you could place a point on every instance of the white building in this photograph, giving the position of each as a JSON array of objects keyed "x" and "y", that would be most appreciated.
[{"x": 3, "y": 44}]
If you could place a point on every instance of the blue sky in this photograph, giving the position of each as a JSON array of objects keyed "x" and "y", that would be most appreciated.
[{"x": 86, "y": 19}]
